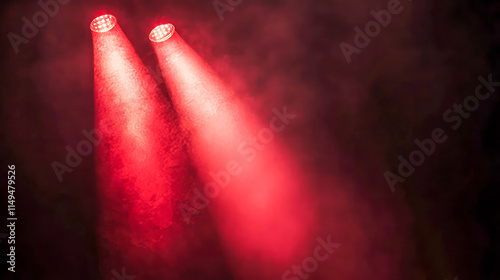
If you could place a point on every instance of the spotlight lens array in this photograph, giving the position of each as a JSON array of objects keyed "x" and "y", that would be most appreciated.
[
  {"x": 103, "y": 23},
  {"x": 162, "y": 32}
]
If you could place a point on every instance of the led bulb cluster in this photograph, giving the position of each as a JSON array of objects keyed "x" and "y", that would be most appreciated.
[
  {"x": 162, "y": 32},
  {"x": 103, "y": 23}
]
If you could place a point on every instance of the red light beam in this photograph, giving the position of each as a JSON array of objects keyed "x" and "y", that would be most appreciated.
[
  {"x": 254, "y": 189},
  {"x": 139, "y": 161}
]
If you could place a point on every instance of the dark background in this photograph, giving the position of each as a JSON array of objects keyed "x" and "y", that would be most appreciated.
[{"x": 354, "y": 120}]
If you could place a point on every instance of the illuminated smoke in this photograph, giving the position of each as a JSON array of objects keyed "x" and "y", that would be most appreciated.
[{"x": 140, "y": 160}]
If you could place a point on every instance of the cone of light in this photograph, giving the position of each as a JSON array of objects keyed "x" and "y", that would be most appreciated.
[
  {"x": 139, "y": 160},
  {"x": 253, "y": 186}
]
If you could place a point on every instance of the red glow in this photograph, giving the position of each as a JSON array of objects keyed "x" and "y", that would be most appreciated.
[
  {"x": 139, "y": 161},
  {"x": 103, "y": 23},
  {"x": 263, "y": 213},
  {"x": 161, "y": 32}
]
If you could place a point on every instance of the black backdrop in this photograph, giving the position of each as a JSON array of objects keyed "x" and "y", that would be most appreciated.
[{"x": 355, "y": 119}]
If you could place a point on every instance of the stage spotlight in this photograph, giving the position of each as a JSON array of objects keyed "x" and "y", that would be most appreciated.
[
  {"x": 254, "y": 187},
  {"x": 140, "y": 158},
  {"x": 162, "y": 32},
  {"x": 103, "y": 23}
]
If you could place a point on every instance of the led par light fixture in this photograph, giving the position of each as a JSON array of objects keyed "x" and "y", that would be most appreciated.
[
  {"x": 162, "y": 32},
  {"x": 103, "y": 23}
]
